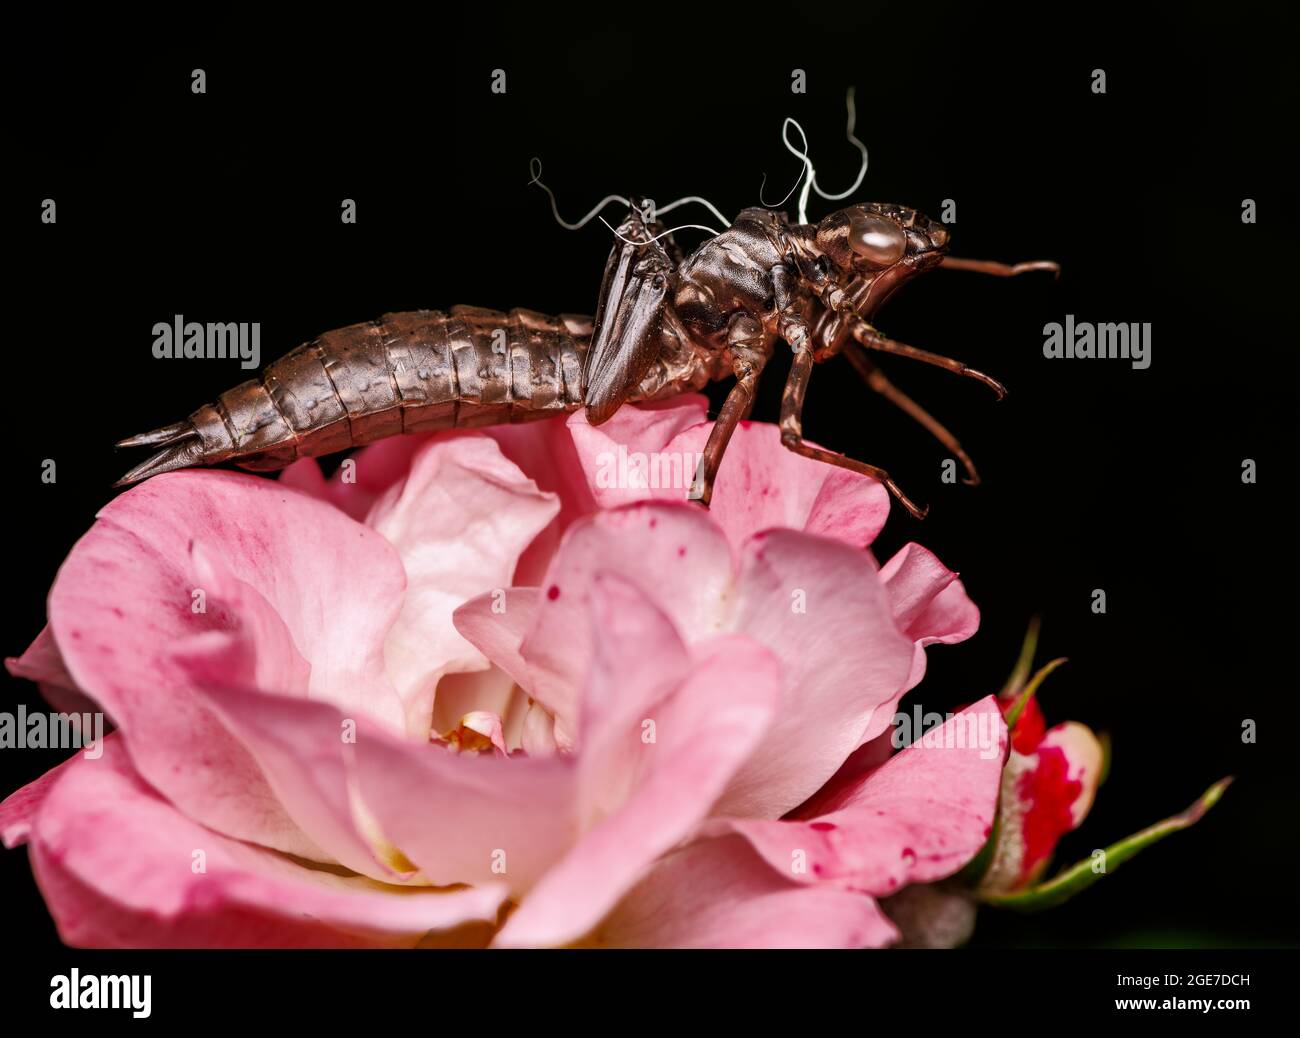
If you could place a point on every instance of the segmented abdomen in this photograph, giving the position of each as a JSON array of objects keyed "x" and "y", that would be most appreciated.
[{"x": 417, "y": 371}]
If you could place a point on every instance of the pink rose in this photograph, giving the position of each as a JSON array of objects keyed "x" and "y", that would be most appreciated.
[{"x": 488, "y": 693}]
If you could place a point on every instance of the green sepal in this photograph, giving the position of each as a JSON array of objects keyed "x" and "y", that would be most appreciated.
[
  {"x": 1078, "y": 877},
  {"x": 1013, "y": 715},
  {"x": 1020, "y": 673}
]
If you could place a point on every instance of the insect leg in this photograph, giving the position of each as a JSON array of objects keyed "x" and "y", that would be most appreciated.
[
  {"x": 1001, "y": 270},
  {"x": 750, "y": 357},
  {"x": 876, "y": 379},
  {"x": 873, "y": 340},
  {"x": 796, "y": 387},
  {"x": 748, "y": 342}
]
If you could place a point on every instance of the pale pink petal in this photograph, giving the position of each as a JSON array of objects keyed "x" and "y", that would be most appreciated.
[
  {"x": 300, "y": 746},
  {"x": 459, "y": 521},
  {"x": 367, "y": 475},
  {"x": 544, "y": 451},
  {"x": 675, "y": 553},
  {"x": 495, "y": 624},
  {"x": 930, "y": 605},
  {"x": 125, "y": 597},
  {"x": 916, "y": 819},
  {"x": 760, "y": 484},
  {"x": 467, "y": 818},
  {"x": 861, "y": 762},
  {"x": 816, "y": 603},
  {"x": 305, "y": 476},
  {"x": 537, "y": 739},
  {"x": 628, "y": 459},
  {"x": 820, "y": 607},
  {"x": 719, "y": 894},
  {"x": 43, "y": 664},
  {"x": 653, "y": 760},
  {"x": 19, "y": 808},
  {"x": 298, "y": 562},
  {"x": 121, "y": 867},
  {"x": 263, "y": 651},
  {"x": 639, "y": 661}
]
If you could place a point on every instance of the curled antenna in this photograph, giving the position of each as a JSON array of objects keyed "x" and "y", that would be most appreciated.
[
  {"x": 535, "y": 169},
  {"x": 803, "y": 168},
  {"x": 660, "y": 210},
  {"x": 664, "y": 234},
  {"x": 807, "y": 165},
  {"x": 848, "y": 132},
  {"x": 810, "y": 184}
]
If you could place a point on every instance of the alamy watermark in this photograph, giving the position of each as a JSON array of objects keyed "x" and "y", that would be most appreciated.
[
  {"x": 972, "y": 730},
  {"x": 655, "y": 470},
  {"x": 52, "y": 731},
  {"x": 212, "y": 341},
  {"x": 1109, "y": 341},
  {"x": 73, "y": 991}
]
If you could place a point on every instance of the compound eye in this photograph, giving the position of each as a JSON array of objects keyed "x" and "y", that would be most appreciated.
[{"x": 879, "y": 241}]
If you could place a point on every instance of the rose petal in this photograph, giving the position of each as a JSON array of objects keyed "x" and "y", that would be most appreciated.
[
  {"x": 657, "y": 547},
  {"x": 861, "y": 762},
  {"x": 639, "y": 661},
  {"x": 495, "y": 624},
  {"x": 299, "y": 745},
  {"x": 760, "y": 484},
  {"x": 642, "y": 795},
  {"x": 1083, "y": 754},
  {"x": 620, "y": 458},
  {"x": 538, "y": 736},
  {"x": 930, "y": 605},
  {"x": 820, "y": 607},
  {"x": 916, "y": 819},
  {"x": 459, "y": 521},
  {"x": 164, "y": 894},
  {"x": 466, "y": 818},
  {"x": 123, "y": 600},
  {"x": 816, "y": 603},
  {"x": 263, "y": 651},
  {"x": 43, "y": 664},
  {"x": 545, "y": 452},
  {"x": 719, "y": 894},
  {"x": 356, "y": 486},
  {"x": 18, "y": 809}
]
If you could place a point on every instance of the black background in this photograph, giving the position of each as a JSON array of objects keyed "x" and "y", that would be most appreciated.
[{"x": 225, "y": 207}]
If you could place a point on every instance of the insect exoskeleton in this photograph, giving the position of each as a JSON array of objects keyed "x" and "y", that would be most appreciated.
[{"x": 665, "y": 324}]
